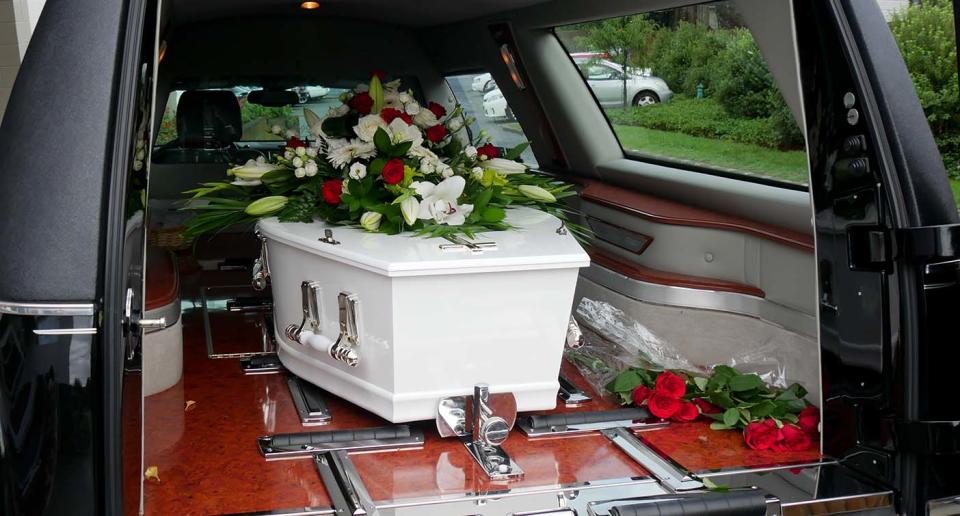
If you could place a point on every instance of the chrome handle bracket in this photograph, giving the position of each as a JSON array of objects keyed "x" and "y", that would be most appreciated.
[
  {"x": 261, "y": 271},
  {"x": 344, "y": 349},
  {"x": 311, "y": 299},
  {"x": 483, "y": 423}
]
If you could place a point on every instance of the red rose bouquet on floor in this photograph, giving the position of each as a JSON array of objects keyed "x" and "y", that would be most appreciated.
[{"x": 771, "y": 419}]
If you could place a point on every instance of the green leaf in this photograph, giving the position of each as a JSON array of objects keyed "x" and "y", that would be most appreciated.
[
  {"x": 763, "y": 409},
  {"x": 731, "y": 416},
  {"x": 721, "y": 399},
  {"x": 376, "y": 166},
  {"x": 400, "y": 150},
  {"x": 719, "y": 426},
  {"x": 493, "y": 214},
  {"x": 717, "y": 488},
  {"x": 700, "y": 382},
  {"x": 626, "y": 381},
  {"x": 382, "y": 141},
  {"x": 745, "y": 382},
  {"x": 515, "y": 152}
]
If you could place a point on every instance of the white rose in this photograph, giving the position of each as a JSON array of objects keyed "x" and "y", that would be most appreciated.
[
  {"x": 470, "y": 151},
  {"x": 276, "y": 129},
  {"x": 454, "y": 124},
  {"x": 300, "y": 172},
  {"x": 370, "y": 221},
  {"x": 297, "y": 162},
  {"x": 444, "y": 170},
  {"x": 428, "y": 166},
  {"x": 290, "y": 133},
  {"x": 310, "y": 169},
  {"x": 312, "y": 152},
  {"x": 367, "y": 127},
  {"x": 425, "y": 118},
  {"x": 288, "y": 154},
  {"x": 358, "y": 171},
  {"x": 476, "y": 173},
  {"x": 412, "y": 108},
  {"x": 301, "y": 151}
]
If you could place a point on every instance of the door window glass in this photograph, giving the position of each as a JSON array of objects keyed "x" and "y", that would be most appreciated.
[
  {"x": 483, "y": 101},
  {"x": 688, "y": 86}
]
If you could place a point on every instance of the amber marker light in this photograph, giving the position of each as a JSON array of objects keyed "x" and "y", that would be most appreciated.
[{"x": 310, "y": 5}]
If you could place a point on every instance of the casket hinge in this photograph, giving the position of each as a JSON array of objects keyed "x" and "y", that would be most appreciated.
[
  {"x": 261, "y": 271},
  {"x": 482, "y": 422},
  {"x": 311, "y": 295}
]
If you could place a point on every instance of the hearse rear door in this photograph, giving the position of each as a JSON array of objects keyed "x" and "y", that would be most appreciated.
[{"x": 887, "y": 238}]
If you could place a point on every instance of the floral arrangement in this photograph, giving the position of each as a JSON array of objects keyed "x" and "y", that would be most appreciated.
[
  {"x": 386, "y": 163},
  {"x": 771, "y": 419}
]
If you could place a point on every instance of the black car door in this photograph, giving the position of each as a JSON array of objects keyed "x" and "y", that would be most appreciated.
[{"x": 887, "y": 256}]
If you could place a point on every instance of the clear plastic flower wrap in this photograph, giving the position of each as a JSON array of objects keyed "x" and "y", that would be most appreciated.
[{"x": 613, "y": 341}]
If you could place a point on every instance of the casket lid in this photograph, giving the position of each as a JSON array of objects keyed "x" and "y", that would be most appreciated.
[{"x": 535, "y": 244}]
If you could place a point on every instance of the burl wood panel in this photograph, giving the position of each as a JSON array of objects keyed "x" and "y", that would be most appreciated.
[
  {"x": 164, "y": 284},
  {"x": 208, "y": 460},
  {"x": 670, "y": 212},
  {"x": 639, "y": 272}
]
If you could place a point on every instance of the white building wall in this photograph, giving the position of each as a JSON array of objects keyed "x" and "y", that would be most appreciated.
[{"x": 890, "y": 6}]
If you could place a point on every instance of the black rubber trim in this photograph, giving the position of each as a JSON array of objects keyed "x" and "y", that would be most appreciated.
[
  {"x": 580, "y": 418},
  {"x": 733, "y": 503},
  {"x": 341, "y": 436}
]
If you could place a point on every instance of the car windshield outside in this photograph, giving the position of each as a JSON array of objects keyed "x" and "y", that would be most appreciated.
[
  {"x": 260, "y": 122},
  {"x": 482, "y": 100},
  {"x": 688, "y": 87}
]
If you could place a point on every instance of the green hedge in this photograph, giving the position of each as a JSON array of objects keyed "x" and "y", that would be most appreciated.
[{"x": 703, "y": 117}]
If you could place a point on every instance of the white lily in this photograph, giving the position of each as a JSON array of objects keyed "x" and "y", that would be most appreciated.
[
  {"x": 401, "y": 132},
  {"x": 536, "y": 193},
  {"x": 370, "y": 221},
  {"x": 252, "y": 170},
  {"x": 410, "y": 207},
  {"x": 425, "y": 118},
  {"x": 505, "y": 166},
  {"x": 440, "y": 201}
]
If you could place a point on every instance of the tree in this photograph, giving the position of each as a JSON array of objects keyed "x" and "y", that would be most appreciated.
[{"x": 626, "y": 39}]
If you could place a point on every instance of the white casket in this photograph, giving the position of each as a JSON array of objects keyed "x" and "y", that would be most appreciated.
[{"x": 431, "y": 322}]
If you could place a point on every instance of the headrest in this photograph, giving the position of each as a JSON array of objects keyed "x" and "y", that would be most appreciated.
[{"x": 208, "y": 119}]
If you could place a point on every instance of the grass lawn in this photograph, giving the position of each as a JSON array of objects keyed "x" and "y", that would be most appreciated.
[{"x": 736, "y": 157}]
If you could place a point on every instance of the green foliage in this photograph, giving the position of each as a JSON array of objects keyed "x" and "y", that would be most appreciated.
[
  {"x": 687, "y": 55},
  {"x": 925, "y": 34},
  {"x": 708, "y": 118}
]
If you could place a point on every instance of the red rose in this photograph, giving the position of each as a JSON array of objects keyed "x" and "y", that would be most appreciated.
[
  {"x": 809, "y": 420},
  {"x": 361, "y": 103},
  {"x": 488, "y": 151},
  {"x": 332, "y": 190},
  {"x": 663, "y": 405},
  {"x": 393, "y": 171},
  {"x": 640, "y": 394},
  {"x": 791, "y": 438},
  {"x": 438, "y": 110},
  {"x": 671, "y": 384},
  {"x": 687, "y": 412},
  {"x": 390, "y": 114},
  {"x": 378, "y": 74},
  {"x": 293, "y": 142},
  {"x": 761, "y": 435},
  {"x": 436, "y": 133},
  {"x": 706, "y": 407}
]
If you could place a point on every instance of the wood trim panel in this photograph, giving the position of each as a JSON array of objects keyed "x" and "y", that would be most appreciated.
[
  {"x": 163, "y": 282},
  {"x": 673, "y": 279},
  {"x": 669, "y": 212}
]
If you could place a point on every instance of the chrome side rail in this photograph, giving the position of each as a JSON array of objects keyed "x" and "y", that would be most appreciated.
[{"x": 46, "y": 309}]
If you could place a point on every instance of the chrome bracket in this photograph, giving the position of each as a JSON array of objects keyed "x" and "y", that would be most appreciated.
[
  {"x": 570, "y": 394},
  {"x": 670, "y": 474},
  {"x": 344, "y": 348},
  {"x": 482, "y": 422},
  {"x": 308, "y": 399},
  {"x": 574, "y": 334},
  {"x": 327, "y": 237},
  {"x": 261, "y": 271},
  {"x": 458, "y": 243},
  {"x": 311, "y": 295},
  {"x": 348, "y": 494}
]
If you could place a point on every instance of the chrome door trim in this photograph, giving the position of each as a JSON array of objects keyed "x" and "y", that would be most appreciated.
[
  {"x": 66, "y": 331},
  {"x": 732, "y": 302},
  {"x": 46, "y": 309}
]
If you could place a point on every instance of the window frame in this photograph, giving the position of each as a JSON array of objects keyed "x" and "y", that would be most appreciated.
[{"x": 638, "y": 156}]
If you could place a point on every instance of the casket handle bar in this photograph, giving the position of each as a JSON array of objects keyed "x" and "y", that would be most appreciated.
[
  {"x": 482, "y": 422},
  {"x": 308, "y": 333},
  {"x": 261, "y": 271}
]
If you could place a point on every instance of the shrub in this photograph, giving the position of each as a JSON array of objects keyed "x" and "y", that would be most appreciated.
[
  {"x": 925, "y": 34},
  {"x": 687, "y": 56}
]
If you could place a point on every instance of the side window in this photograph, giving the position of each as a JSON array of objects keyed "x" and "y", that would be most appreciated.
[
  {"x": 483, "y": 101},
  {"x": 925, "y": 33},
  {"x": 688, "y": 86}
]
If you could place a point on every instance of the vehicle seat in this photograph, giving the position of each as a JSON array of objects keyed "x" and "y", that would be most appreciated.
[
  {"x": 209, "y": 124},
  {"x": 162, "y": 349}
]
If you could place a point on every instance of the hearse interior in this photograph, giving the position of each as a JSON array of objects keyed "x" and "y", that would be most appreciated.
[{"x": 140, "y": 366}]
